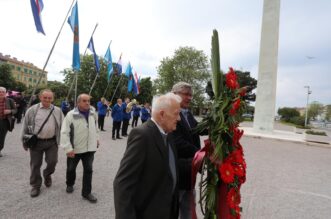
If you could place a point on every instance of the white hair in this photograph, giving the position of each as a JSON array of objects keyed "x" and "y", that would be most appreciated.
[
  {"x": 164, "y": 101},
  {"x": 3, "y": 89}
]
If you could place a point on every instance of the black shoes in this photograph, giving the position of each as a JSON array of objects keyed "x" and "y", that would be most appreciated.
[
  {"x": 70, "y": 189},
  {"x": 119, "y": 138},
  {"x": 34, "y": 192},
  {"x": 103, "y": 130},
  {"x": 125, "y": 135},
  {"x": 48, "y": 181},
  {"x": 113, "y": 138},
  {"x": 91, "y": 198}
]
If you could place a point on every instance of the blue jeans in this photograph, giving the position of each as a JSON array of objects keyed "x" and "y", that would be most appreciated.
[
  {"x": 185, "y": 211},
  {"x": 87, "y": 159}
]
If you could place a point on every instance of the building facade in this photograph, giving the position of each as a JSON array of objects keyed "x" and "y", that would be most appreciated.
[{"x": 24, "y": 72}]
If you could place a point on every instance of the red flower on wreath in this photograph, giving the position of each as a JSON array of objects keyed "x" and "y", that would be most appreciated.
[
  {"x": 235, "y": 107},
  {"x": 237, "y": 133},
  {"x": 227, "y": 173},
  {"x": 233, "y": 198},
  {"x": 231, "y": 79},
  {"x": 239, "y": 170}
]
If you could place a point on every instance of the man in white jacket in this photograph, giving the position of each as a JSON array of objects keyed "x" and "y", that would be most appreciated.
[{"x": 80, "y": 140}]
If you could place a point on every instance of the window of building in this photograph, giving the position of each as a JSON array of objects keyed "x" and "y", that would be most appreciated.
[
  {"x": 18, "y": 68},
  {"x": 25, "y": 70},
  {"x": 30, "y": 71},
  {"x": 30, "y": 79},
  {"x": 34, "y": 81}
]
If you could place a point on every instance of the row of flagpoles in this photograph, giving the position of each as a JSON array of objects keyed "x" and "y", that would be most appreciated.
[{"x": 73, "y": 21}]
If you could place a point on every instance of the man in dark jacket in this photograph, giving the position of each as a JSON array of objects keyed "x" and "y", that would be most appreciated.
[
  {"x": 145, "y": 186},
  {"x": 187, "y": 144}
]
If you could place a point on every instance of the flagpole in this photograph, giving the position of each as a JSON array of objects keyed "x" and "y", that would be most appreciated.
[
  {"x": 108, "y": 85},
  {"x": 76, "y": 72},
  {"x": 72, "y": 84},
  {"x": 96, "y": 25},
  {"x": 49, "y": 55},
  {"x": 116, "y": 89},
  {"x": 95, "y": 79}
]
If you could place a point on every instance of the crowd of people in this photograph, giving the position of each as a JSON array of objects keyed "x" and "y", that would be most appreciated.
[{"x": 154, "y": 177}]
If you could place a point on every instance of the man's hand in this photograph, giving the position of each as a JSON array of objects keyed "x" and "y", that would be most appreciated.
[
  {"x": 71, "y": 154},
  {"x": 98, "y": 143},
  {"x": 7, "y": 111},
  {"x": 25, "y": 147}
]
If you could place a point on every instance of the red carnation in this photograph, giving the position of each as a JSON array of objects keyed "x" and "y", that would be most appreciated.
[
  {"x": 239, "y": 170},
  {"x": 235, "y": 107},
  {"x": 227, "y": 172},
  {"x": 231, "y": 79},
  {"x": 233, "y": 198}
]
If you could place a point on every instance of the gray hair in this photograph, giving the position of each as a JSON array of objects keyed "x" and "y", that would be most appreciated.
[
  {"x": 3, "y": 89},
  {"x": 80, "y": 97},
  {"x": 164, "y": 101},
  {"x": 180, "y": 87},
  {"x": 45, "y": 90}
]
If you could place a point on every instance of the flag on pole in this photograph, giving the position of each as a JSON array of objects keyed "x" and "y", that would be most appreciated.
[
  {"x": 73, "y": 22},
  {"x": 136, "y": 86},
  {"x": 119, "y": 65},
  {"x": 128, "y": 73},
  {"x": 109, "y": 61},
  {"x": 95, "y": 56},
  {"x": 128, "y": 70},
  {"x": 37, "y": 6}
]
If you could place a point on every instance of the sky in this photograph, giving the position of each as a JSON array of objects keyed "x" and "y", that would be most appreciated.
[{"x": 147, "y": 31}]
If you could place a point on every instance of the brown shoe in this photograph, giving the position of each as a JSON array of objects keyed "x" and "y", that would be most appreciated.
[
  {"x": 48, "y": 181},
  {"x": 34, "y": 192}
]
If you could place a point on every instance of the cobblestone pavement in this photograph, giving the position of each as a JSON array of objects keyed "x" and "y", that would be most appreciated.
[{"x": 284, "y": 180}]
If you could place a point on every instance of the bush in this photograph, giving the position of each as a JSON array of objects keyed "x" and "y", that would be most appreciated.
[
  {"x": 297, "y": 120},
  {"x": 311, "y": 132}
]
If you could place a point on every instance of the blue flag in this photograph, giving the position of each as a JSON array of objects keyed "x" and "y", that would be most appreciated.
[
  {"x": 109, "y": 61},
  {"x": 37, "y": 6},
  {"x": 128, "y": 70},
  {"x": 73, "y": 22},
  {"x": 95, "y": 57}
]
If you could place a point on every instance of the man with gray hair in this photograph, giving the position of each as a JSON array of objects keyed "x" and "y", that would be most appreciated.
[
  {"x": 187, "y": 143},
  {"x": 44, "y": 120},
  {"x": 80, "y": 140},
  {"x": 7, "y": 110},
  {"x": 146, "y": 183}
]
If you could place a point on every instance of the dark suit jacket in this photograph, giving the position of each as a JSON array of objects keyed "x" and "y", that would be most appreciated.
[
  {"x": 143, "y": 186},
  {"x": 187, "y": 144}
]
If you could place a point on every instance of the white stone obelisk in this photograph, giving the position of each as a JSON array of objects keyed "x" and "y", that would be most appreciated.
[{"x": 267, "y": 77}]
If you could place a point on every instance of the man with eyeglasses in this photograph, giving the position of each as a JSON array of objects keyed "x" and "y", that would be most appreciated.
[{"x": 187, "y": 144}]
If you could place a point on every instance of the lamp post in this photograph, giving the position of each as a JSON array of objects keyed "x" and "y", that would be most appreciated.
[{"x": 308, "y": 92}]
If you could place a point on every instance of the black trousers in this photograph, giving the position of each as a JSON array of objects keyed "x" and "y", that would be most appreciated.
[
  {"x": 125, "y": 126},
  {"x": 101, "y": 121},
  {"x": 135, "y": 121},
  {"x": 87, "y": 160},
  {"x": 4, "y": 125},
  {"x": 116, "y": 128}
]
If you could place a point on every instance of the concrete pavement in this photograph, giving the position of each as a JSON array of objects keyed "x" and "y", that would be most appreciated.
[{"x": 284, "y": 180}]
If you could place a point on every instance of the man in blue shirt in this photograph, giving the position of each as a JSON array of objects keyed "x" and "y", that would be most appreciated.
[
  {"x": 117, "y": 115},
  {"x": 102, "y": 107}
]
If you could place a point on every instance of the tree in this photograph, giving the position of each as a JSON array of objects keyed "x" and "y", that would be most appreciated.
[
  {"x": 315, "y": 109},
  {"x": 245, "y": 79},
  {"x": 8, "y": 81},
  {"x": 188, "y": 65},
  {"x": 328, "y": 113},
  {"x": 145, "y": 94},
  {"x": 287, "y": 113}
]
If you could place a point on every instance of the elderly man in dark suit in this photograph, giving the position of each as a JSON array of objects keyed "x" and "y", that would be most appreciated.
[
  {"x": 145, "y": 186},
  {"x": 187, "y": 143}
]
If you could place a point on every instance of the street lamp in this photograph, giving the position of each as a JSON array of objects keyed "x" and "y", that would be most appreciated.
[{"x": 308, "y": 92}]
